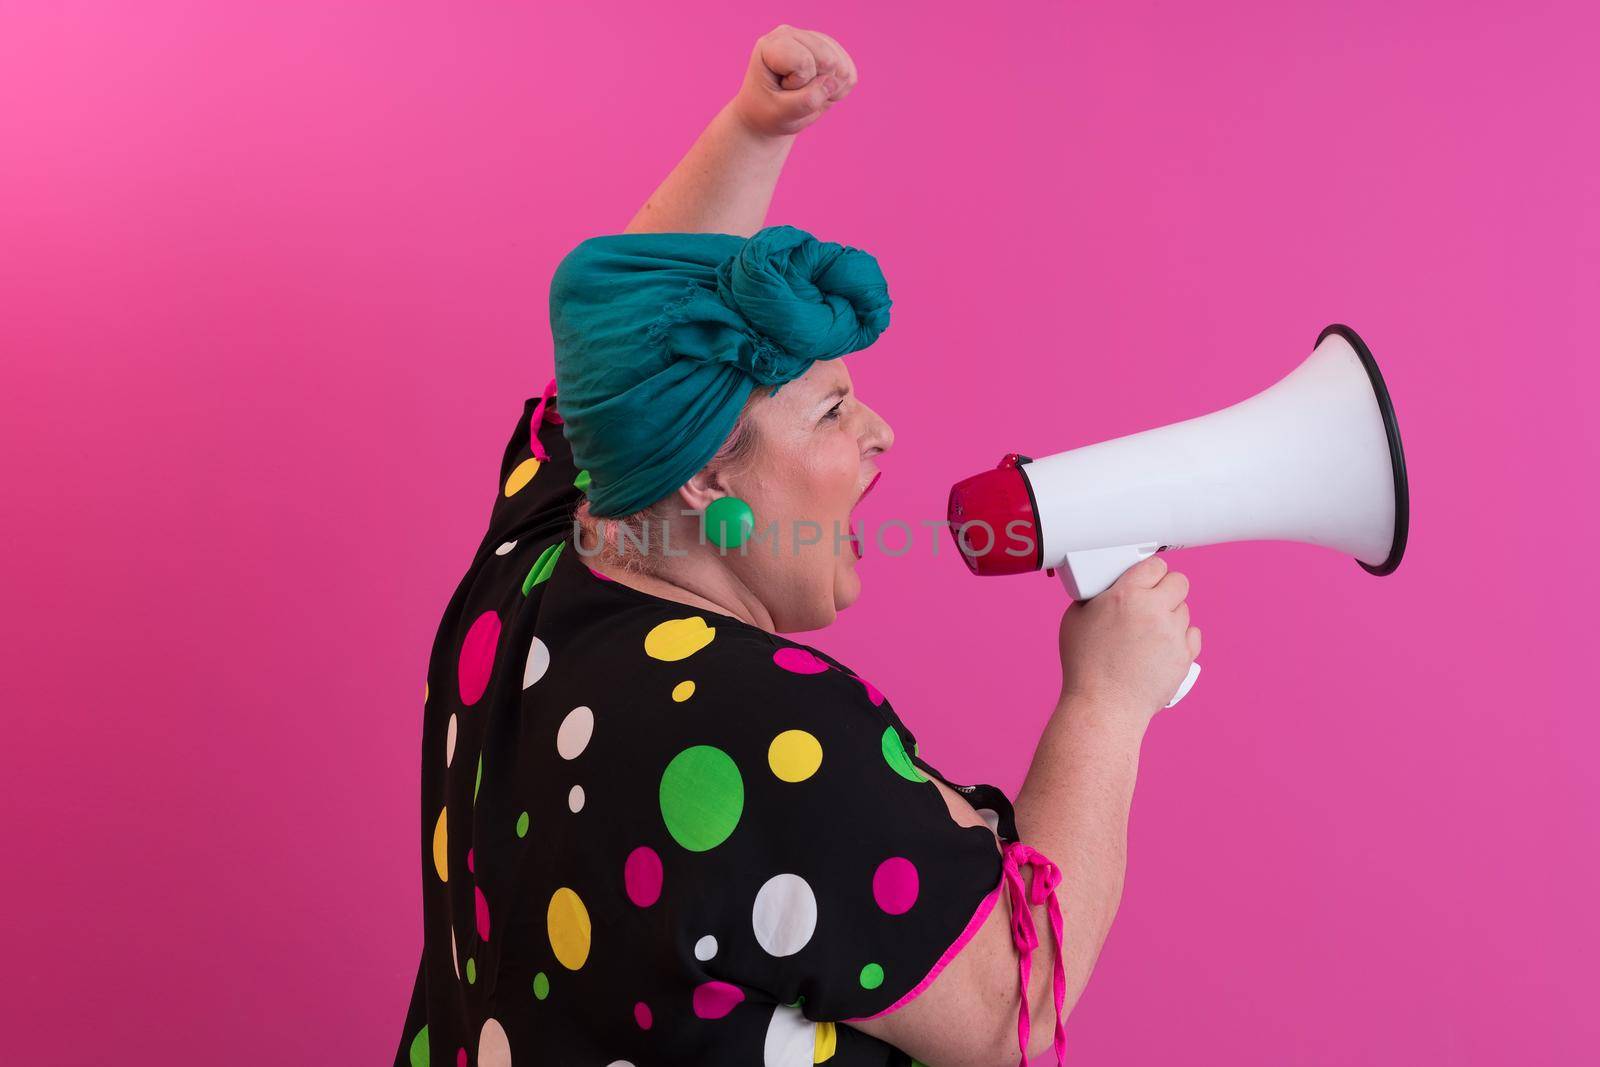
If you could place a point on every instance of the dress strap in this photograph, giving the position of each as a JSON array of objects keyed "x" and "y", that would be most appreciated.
[
  {"x": 541, "y": 414},
  {"x": 1046, "y": 876}
]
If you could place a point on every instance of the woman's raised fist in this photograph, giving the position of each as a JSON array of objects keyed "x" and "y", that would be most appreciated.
[{"x": 794, "y": 76}]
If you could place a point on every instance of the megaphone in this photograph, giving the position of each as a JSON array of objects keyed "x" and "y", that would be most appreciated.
[{"x": 1315, "y": 458}]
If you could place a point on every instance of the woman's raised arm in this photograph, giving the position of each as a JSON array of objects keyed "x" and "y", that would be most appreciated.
[{"x": 724, "y": 184}]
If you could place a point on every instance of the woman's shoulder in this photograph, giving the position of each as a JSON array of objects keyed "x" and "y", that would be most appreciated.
[
  {"x": 745, "y": 662},
  {"x": 539, "y": 484},
  {"x": 679, "y": 639},
  {"x": 702, "y": 663}
]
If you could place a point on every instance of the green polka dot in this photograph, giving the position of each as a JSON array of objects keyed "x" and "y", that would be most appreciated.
[
  {"x": 582, "y": 481},
  {"x": 871, "y": 976},
  {"x": 472, "y": 971},
  {"x": 542, "y": 566},
  {"x": 419, "y": 1049},
  {"x": 479, "y": 780},
  {"x": 894, "y": 754},
  {"x": 702, "y": 797},
  {"x": 522, "y": 825},
  {"x": 541, "y": 985}
]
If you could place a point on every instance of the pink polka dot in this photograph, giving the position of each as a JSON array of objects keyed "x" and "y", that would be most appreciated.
[
  {"x": 482, "y": 905},
  {"x": 597, "y": 574},
  {"x": 713, "y": 1000},
  {"x": 641, "y": 1015},
  {"x": 894, "y": 885},
  {"x": 461, "y": 1057},
  {"x": 477, "y": 657},
  {"x": 641, "y": 874},
  {"x": 798, "y": 661},
  {"x": 469, "y": 862},
  {"x": 872, "y": 691}
]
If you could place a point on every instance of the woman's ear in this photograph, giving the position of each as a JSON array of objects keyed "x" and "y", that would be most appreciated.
[{"x": 701, "y": 489}]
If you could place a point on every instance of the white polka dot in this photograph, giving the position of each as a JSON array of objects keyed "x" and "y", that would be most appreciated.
[
  {"x": 507, "y": 547},
  {"x": 991, "y": 818},
  {"x": 455, "y": 955},
  {"x": 619, "y": 1063},
  {"x": 705, "y": 948},
  {"x": 450, "y": 741},
  {"x": 791, "y": 1039},
  {"x": 785, "y": 914},
  {"x": 493, "y": 1048},
  {"x": 575, "y": 798},
  {"x": 538, "y": 663},
  {"x": 576, "y": 729}
]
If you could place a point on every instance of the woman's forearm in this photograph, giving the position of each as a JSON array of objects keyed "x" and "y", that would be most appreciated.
[
  {"x": 724, "y": 184},
  {"x": 1073, "y": 807}
]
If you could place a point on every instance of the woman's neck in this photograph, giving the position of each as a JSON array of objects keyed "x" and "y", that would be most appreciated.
[{"x": 700, "y": 581}]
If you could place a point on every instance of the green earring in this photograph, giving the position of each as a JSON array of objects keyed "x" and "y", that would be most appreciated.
[{"x": 728, "y": 521}]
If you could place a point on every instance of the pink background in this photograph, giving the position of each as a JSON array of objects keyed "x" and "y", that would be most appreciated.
[{"x": 273, "y": 289}]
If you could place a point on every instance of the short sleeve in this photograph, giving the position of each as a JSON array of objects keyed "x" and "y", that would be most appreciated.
[{"x": 854, "y": 884}]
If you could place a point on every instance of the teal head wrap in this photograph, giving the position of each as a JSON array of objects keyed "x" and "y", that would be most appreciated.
[{"x": 661, "y": 337}]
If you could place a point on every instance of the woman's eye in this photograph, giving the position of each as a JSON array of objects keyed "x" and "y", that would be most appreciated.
[{"x": 833, "y": 412}]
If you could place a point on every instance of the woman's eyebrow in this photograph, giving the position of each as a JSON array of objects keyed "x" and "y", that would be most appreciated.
[{"x": 836, "y": 392}]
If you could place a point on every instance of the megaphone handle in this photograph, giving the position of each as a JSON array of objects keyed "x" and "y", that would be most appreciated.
[
  {"x": 1186, "y": 684},
  {"x": 1089, "y": 573}
]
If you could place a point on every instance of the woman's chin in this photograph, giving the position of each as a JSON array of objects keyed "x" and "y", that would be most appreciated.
[{"x": 846, "y": 584}]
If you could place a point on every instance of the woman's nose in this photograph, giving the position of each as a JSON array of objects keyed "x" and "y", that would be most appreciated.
[{"x": 880, "y": 436}]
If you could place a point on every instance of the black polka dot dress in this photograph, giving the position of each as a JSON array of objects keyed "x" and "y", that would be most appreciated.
[{"x": 653, "y": 834}]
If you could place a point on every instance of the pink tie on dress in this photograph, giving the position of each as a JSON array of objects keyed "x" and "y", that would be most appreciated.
[
  {"x": 1046, "y": 876},
  {"x": 541, "y": 414}
]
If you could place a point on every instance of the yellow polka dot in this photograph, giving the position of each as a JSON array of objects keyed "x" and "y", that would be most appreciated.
[
  {"x": 521, "y": 476},
  {"x": 826, "y": 1042},
  {"x": 794, "y": 755},
  {"x": 678, "y": 639},
  {"x": 568, "y": 922},
  {"x": 440, "y": 844},
  {"x": 424, "y": 692},
  {"x": 683, "y": 691}
]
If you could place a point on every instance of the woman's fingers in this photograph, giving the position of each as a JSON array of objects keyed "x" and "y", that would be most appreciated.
[
  {"x": 845, "y": 73},
  {"x": 794, "y": 76},
  {"x": 792, "y": 63},
  {"x": 1144, "y": 574},
  {"x": 801, "y": 58},
  {"x": 825, "y": 53},
  {"x": 1174, "y": 588}
]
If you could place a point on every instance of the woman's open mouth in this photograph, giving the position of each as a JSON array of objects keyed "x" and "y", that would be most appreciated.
[
  {"x": 867, "y": 490},
  {"x": 855, "y": 536}
]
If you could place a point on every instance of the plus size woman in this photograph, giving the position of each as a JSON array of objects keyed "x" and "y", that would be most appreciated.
[{"x": 655, "y": 829}]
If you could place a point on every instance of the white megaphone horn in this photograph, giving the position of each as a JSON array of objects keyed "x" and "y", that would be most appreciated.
[{"x": 1315, "y": 458}]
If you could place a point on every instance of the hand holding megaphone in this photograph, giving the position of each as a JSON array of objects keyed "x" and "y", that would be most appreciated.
[
  {"x": 1315, "y": 458},
  {"x": 1132, "y": 642}
]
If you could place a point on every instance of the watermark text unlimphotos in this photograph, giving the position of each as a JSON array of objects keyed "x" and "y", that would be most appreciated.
[{"x": 891, "y": 537}]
